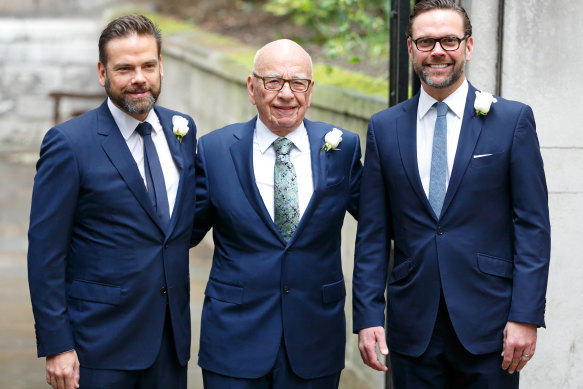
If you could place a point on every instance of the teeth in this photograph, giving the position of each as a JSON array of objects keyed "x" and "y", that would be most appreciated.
[{"x": 439, "y": 66}]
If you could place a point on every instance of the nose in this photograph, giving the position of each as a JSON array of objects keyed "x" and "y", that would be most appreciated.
[
  {"x": 438, "y": 49},
  {"x": 286, "y": 91},
  {"x": 139, "y": 77}
]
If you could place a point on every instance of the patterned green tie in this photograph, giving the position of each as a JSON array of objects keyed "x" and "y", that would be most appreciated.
[{"x": 285, "y": 190}]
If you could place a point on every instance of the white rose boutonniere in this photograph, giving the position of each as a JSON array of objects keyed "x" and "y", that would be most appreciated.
[
  {"x": 483, "y": 103},
  {"x": 180, "y": 127},
  {"x": 332, "y": 140}
]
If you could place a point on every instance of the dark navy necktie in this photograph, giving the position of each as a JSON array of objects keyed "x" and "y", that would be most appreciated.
[
  {"x": 438, "y": 177},
  {"x": 154, "y": 175}
]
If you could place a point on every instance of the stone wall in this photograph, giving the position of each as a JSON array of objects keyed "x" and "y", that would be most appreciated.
[
  {"x": 541, "y": 60},
  {"x": 39, "y": 56}
]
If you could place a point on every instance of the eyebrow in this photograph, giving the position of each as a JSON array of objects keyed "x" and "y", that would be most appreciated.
[{"x": 293, "y": 77}]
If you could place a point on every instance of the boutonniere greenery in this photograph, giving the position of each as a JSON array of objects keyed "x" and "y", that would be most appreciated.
[
  {"x": 332, "y": 140},
  {"x": 483, "y": 103},
  {"x": 180, "y": 127}
]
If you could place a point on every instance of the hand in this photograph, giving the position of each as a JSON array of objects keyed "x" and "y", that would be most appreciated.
[
  {"x": 63, "y": 370},
  {"x": 368, "y": 338},
  {"x": 519, "y": 345}
]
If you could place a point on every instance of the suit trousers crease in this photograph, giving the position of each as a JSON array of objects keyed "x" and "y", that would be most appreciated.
[
  {"x": 164, "y": 373},
  {"x": 446, "y": 364}
]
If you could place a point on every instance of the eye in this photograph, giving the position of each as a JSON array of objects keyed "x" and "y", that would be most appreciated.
[
  {"x": 425, "y": 42},
  {"x": 299, "y": 83},
  {"x": 449, "y": 41},
  {"x": 272, "y": 83}
]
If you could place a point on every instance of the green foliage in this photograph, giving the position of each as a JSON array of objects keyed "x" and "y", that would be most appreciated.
[{"x": 347, "y": 28}]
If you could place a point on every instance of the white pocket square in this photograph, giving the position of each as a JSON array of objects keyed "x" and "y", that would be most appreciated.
[{"x": 481, "y": 155}]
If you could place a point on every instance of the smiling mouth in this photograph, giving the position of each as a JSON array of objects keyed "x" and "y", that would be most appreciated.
[
  {"x": 138, "y": 94},
  {"x": 285, "y": 109},
  {"x": 438, "y": 66}
]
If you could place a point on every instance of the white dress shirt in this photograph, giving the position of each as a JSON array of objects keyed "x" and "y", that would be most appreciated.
[
  {"x": 264, "y": 164},
  {"x": 426, "y": 116},
  {"x": 135, "y": 142}
]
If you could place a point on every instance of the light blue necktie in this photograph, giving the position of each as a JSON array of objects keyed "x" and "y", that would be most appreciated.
[
  {"x": 285, "y": 190},
  {"x": 438, "y": 160}
]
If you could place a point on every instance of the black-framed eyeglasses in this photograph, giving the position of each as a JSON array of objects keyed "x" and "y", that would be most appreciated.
[
  {"x": 448, "y": 43},
  {"x": 276, "y": 83}
]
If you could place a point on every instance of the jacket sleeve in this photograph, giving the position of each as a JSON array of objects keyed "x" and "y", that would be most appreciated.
[
  {"x": 54, "y": 200},
  {"x": 532, "y": 239},
  {"x": 355, "y": 180},
  {"x": 203, "y": 214},
  {"x": 372, "y": 242}
]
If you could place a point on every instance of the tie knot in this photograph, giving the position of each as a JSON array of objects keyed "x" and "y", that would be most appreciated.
[
  {"x": 144, "y": 129},
  {"x": 441, "y": 108},
  {"x": 282, "y": 146}
]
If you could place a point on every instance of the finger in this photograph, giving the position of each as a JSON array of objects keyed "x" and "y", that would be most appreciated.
[
  {"x": 507, "y": 356},
  {"x": 367, "y": 348},
  {"x": 60, "y": 382},
  {"x": 380, "y": 336},
  {"x": 516, "y": 357},
  {"x": 77, "y": 376},
  {"x": 523, "y": 361}
]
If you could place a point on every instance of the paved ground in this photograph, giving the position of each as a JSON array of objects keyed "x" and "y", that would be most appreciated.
[{"x": 19, "y": 367}]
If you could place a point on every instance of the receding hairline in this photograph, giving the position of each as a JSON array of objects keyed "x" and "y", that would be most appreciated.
[{"x": 305, "y": 52}]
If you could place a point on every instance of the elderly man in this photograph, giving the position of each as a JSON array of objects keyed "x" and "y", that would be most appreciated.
[
  {"x": 275, "y": 190},
  {"x": 109, "y": 229},
  {"x": 455, "y": 177}
]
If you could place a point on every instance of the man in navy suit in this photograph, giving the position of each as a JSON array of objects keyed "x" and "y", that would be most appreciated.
[
  {"x": 110, "y": 228},
  {"x": 454, "y": 177},
  {"x": 275, "y": 190}
]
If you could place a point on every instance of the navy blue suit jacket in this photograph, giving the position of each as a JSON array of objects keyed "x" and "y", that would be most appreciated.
[
  {"x": 261, "y": 289},
  {"x": 488, "y": 250},
  {"x": 98, "y": 257}
]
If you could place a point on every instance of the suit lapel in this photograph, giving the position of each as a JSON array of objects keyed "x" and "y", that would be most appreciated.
[
  {"x": 242, "y": 155},
  {"x": 176, "y": 151},
  {"x": 407, "y": 139},
  {"x": 118, "y": 153},
  {"x": 319, "y": 165},
  {"x": 469, "y": 134}
]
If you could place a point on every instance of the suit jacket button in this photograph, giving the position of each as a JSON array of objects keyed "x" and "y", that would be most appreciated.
[
  {"x": 164, "y": 290},
  {"x": 285, "y": 289},
  {"x": 439, "y": 231}
]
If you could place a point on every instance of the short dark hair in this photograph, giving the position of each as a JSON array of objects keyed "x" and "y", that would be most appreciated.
[
  {"x": 125, "y": 26},
  {"x": 430, "y": 5}
]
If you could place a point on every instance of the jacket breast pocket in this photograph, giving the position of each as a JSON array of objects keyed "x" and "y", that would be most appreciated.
[
  {"x": 487, "y": 161},
  {"x": 333, "y": 292},
  {"x": 495, "y": 266},
  {"x": 95, "y": 292},
  {"x": 224, "y": 292}
]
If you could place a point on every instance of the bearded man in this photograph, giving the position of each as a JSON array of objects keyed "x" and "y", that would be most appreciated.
[{"x": 110, "y": 227}]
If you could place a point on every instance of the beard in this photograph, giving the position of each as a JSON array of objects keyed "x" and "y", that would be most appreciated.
[
  {"x": 137, "y": 107},
  {"x": 455, "y": 74}
]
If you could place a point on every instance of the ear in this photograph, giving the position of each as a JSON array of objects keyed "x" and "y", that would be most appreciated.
[
  {"x": 102, "y": 73},
  {"x": 161, "y": 67},
  {"x": 469, "y": 48},
  {"x": 410, "y": 48},
  {"x": 251, "y": 89},
  {"x": 309, "y": 95}
]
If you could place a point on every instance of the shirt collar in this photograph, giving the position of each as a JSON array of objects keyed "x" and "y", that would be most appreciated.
[
  {"x": 265, "y": 136},
  {"x": 455, "y": 101},
  {"x": 127, "y": 124}
]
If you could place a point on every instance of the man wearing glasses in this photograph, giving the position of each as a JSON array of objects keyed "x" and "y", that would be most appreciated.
[
  {"x": 275, "y": 190},
  {"x": 455, "y": 178}
]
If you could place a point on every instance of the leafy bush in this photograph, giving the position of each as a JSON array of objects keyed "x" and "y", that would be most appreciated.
[{"x": 347, "y": 28}]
